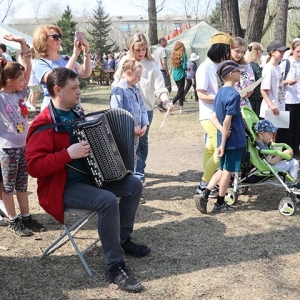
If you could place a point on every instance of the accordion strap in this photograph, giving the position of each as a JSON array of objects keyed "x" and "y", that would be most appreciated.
[
  {"x": 71, "y": 168},
  {"x": 52, "y": 125}
]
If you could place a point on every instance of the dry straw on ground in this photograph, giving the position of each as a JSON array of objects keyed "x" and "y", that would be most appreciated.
[{"x": 251, "y": 254}]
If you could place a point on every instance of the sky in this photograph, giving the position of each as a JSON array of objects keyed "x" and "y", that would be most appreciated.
[{"x": 112, "y": 7}]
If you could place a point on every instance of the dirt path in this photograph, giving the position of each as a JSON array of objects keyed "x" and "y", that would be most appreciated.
[{"x": 251, "y": 254}]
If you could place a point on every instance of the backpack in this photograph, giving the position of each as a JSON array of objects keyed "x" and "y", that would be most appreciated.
[{"x": 287, "y": 67}]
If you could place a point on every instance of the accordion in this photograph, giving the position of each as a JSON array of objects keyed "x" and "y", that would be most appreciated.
[{"x": 110, "y": 134}]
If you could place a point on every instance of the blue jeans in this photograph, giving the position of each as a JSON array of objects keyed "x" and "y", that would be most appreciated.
[
  {"x": 115, "y": 219},
  {"x": 142, "y": 150}
]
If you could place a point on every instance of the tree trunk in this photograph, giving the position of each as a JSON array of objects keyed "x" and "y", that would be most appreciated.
[
  {"x": 231, "y": 17},
  {"x": 255, "y": 23},
  {"x": 281, "y": 20},
  {"x": 152, "y": 22}
]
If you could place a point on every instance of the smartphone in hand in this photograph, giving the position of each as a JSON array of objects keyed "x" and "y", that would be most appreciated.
[{"x": 79, "y": 36}]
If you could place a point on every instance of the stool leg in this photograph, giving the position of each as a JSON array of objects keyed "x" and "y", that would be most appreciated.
[{"x": 78, "y": 251}]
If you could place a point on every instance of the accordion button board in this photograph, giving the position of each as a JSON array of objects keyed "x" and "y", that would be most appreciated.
[{"x": 110, "y": 134}]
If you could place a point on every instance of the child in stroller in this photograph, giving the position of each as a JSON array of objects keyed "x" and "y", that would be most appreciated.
[
  {"x": 265, "y": 130},
  {"x": 265, "y": 161}
]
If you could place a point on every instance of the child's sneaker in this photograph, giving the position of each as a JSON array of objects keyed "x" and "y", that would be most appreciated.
[
  {"x": 295, "y": 187},
  {"x": 32, "y": 224},
  {"x": 213, "y": 192},
  {"x": 222, "y": 208},
  {"x": 18, "y": 228},
  {"x": 201, "y": 203}
]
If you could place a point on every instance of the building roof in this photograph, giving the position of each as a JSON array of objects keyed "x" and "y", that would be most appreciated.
[{"x": 117, "y": 18}]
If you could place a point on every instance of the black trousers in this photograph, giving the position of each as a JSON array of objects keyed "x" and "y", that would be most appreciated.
[
  {"x": 291, "y": 135},
  {"x": 180, "y": 93},
  {"x": 167, "y": 81},
  {"x": 188, "y": 86},
  {"x": 255, "y": 104}
]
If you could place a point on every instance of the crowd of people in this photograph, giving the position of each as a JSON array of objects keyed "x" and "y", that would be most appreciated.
[
  {"x": 141, "y": 81},
  {"x": 107, "y": 64},
  {"x": 278, "y": 91}
]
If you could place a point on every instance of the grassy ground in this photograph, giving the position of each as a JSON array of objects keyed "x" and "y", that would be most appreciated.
[{"x": 251, "y": 254}]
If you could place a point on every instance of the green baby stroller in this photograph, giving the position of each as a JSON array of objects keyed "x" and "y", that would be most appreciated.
[{"x": 256, "y": 170}]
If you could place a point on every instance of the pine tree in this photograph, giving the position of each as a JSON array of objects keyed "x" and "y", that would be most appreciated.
[
  {"x": 100, "y": 28},
  {"x": 68, "y": 28}
]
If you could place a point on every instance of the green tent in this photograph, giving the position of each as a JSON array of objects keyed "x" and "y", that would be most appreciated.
[
  {"x": 12, "y": 47},
  {"x": 196, "y": 40}
]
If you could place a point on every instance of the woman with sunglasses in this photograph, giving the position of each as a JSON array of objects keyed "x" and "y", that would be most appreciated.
[{"x": 47, "y": 43}]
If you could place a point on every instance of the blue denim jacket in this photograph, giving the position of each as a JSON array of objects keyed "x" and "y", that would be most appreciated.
[{"x": 130, "y": 99}]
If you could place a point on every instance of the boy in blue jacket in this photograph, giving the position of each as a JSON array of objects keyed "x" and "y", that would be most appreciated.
[{"x": 228, "y": 120}]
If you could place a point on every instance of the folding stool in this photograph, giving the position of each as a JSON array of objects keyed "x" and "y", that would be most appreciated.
[{"x": 69, "y": 234}]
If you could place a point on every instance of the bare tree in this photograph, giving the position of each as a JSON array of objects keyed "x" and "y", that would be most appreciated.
[
  {"x": 53, "y": 10},
  {"x": 281, "y": 20},
  {"x": 8, "y": 8},
  {"x": 255, "y": 23},
  {"x": 231, "y": 17},
  {"x": 154, "y": 7},
  {"x": 272, "y": 15},
  {"x": 192, "y": 9},
  {"x": 37, "y": 6},
  {"x": 152, "y": 13}
]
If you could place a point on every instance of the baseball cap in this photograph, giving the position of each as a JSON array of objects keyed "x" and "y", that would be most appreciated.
[
  {"x": 276, "y": 45},
  {"x": 264, "y": 126},
  {"x": 228, "y": 66}
]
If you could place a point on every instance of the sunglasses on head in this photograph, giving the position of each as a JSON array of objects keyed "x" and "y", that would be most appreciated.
[{"x": 56, "y": 36}]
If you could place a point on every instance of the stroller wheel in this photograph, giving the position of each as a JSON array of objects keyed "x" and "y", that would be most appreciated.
[
  {"x": 286, "y": 206},
  {"x": 231, "y": 197},
  {"x": 242, "y": 190}
]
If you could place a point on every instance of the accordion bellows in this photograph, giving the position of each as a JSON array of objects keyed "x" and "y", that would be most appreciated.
[{"x": 110, "y": 134}]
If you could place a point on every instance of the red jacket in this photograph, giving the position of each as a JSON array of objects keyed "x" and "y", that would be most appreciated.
[{"x": 46, "y": 158}]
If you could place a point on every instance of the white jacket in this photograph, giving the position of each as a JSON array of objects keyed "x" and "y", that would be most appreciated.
[{"x": 151, "y": 84}]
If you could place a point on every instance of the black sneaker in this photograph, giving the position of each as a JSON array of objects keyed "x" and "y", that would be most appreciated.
[
  {"x": 32, "y": 224},
  {"x": 223, "y": 208},
  {"x": 18, "y": 228},
  {"x": 201, "y": 203},
  {"x": 132, "y": 248},
  {"x": 160, "y": 106},
  {"x": 119, "y": 275}
]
